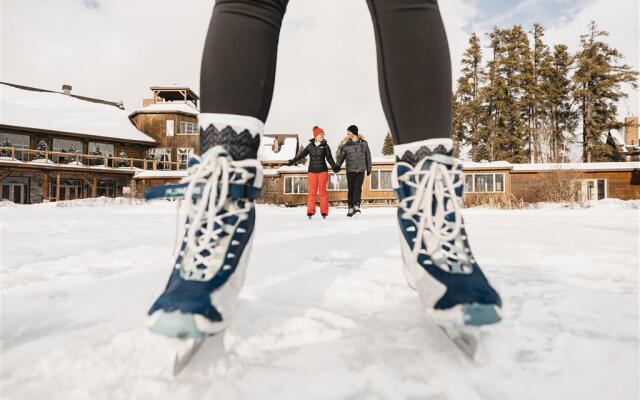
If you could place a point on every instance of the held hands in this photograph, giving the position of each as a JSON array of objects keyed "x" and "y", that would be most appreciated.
[{"x": 290, "y": 162}]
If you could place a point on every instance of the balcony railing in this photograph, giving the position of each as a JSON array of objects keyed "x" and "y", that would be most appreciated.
[{"x": 85, "y": 160}]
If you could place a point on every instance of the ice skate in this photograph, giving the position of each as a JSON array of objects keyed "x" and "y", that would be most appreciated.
[{"x": 438, "y": 261}]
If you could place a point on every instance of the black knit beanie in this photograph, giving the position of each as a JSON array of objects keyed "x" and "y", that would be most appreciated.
[{"x": 353, "y": 129}]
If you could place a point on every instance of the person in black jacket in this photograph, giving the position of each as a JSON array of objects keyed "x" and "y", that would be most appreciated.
[
  {"x": 355, "y": 151},
  {"x": 318, "y": 174}
]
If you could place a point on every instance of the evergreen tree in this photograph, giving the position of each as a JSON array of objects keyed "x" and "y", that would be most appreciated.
[
  {"x": 509, "y": 75},
  {"x": 387, "y": 147},
  {"x": 560, "y": 118},
  {"x": 534, "y": 98},
  {"x": 598, "y": 79},
  {"x": 468, "y": 108}
]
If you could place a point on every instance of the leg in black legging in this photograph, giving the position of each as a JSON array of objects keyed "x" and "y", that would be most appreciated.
[
  {"x": 414, "y": 68},
  {"x": 238, "y": 71}
]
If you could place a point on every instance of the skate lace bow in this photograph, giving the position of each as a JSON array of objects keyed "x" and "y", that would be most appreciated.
[
  {"x": 206, "y": 197},
  {"x": 434, "y": 184}
]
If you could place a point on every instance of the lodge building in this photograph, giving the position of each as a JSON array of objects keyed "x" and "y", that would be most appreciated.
[{"x": 59, "y": 146}]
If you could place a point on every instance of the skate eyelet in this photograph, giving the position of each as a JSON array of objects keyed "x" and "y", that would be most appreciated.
[{"x": 227, "y": 267}]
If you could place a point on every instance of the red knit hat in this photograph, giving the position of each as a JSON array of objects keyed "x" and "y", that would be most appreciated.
[{"x": 317, "y": 131}]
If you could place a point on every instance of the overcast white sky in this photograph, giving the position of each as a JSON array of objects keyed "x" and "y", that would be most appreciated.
[{"x": 116, "y": 49}]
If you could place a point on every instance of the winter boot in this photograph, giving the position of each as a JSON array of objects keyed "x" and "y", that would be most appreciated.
[
  {"x": 324, "y": 216},
  {"x": 309, "y": 216},
  {"x": 438, "y": 261},
  {"x": 356, "y": 209},
  {"x": 351, "y": 212},
  {"x": 213, "y": 250}
]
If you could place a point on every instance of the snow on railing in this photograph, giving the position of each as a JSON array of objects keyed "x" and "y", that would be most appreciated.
[{"x": 84, "y": 160}]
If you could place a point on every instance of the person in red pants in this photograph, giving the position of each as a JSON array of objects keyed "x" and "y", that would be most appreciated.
[{"x": 319, "y": 154}]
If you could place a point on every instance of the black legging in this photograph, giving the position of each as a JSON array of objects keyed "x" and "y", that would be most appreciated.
[{"x": 414, "y": 70}]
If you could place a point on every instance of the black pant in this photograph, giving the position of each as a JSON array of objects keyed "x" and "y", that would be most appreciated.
[
  {"x": 414, "y": 70},
  {"x": 354, "y": 185}
]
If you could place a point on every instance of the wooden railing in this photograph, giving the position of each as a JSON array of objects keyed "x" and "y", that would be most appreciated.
[{"x": 87, "y": 160}]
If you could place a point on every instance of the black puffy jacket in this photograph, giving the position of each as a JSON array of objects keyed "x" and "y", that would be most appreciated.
[{"x": 317, "y": 156}]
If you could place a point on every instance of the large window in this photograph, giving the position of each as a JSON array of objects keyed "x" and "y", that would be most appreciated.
[
  {"x": 295, "y": 185},
  {"x": 337, "y": 182},
  {"x": 70, "y": 189},
  {"x": 106, "y": 188},
  {"x": 103, "y": 148},
  {"x": 15, "y": 189},
  {"x": 68, "y": 146},
  {"x": 484, "y": 183},
  {"x": 188, "y": 128},
  {"x": 163, "y": 156},
  {"x": 380, "y": 180},
  {"x": 184, "y": 153},
  {"x": 17, "y": 141}
]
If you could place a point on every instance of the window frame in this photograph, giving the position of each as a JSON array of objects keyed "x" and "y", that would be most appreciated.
[
  {"x": 472, "y": 175},
  {"x": 378, "y": 174},
  {"x": 188, "y": 133},
  {"x": 338, "y": 182},
  {"x": 291, "y": 178}
]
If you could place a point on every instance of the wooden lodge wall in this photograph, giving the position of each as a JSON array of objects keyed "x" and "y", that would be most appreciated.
[{"x": 155, "y": 125}]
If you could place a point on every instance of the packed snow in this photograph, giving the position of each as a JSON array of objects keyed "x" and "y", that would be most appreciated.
[{"x": 325, "y": 313}]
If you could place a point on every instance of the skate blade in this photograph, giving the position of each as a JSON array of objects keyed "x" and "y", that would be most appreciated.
[
  {"x": 185, "y": 353},
  {"x": 466, "y": 340}
]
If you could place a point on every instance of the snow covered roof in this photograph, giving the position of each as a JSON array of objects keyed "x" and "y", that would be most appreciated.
[
  {"x": 286, "y": 152},
  {"x": 594, "y": 166},
  {"x": 486, "y": 165},
  {"x": 168, "y": 107},
  {"x": 145, "y": 174},
  {"x": 54, "y": 111}
]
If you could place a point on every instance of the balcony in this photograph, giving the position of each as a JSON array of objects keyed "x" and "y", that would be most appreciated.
[{"x": 44, "y": 158}]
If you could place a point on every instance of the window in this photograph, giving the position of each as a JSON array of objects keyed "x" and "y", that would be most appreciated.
[
  {"x": 70, "y": 189},
  {"x": 15, "y": 189},
  {"x": 188, "y": 128},
  {"x": 104, "y": 148},
  {"x": 163, "y": 155},
  {"x": 106, "y": 188},
  {"x": 484, "y": 183},
  {"x": 169, "y": 127},
  {"x": 295, "y": 185},
  {"x": 184, "y": 153},
  {"x": 66, "y": 145},
  {"x": 380, "y": 180},
  {"x": 592, "y": 189},
  {"x": 337, "y": 182},
  {"x": 17, "y": 141}
]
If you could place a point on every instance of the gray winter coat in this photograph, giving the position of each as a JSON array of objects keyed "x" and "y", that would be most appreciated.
[{"x": 357, "y": 155}]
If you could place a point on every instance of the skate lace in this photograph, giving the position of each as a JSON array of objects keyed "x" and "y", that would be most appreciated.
[
  {"x": 205, "y": 224},
  {"x": 435, "y": 184}
]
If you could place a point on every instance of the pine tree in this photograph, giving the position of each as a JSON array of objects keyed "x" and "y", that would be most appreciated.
[
  {"x": 534, "y": 97},
  {"x": 387, "y": 147},
  {"x": 599, "y": 78},
  {"x": 560, "y": 118},
  {"x": 468, "y": 100},
  {"x": 509, "y": 73}
]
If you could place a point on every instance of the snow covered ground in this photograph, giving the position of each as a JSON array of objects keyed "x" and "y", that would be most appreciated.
[{"x": 325, "y": 314}]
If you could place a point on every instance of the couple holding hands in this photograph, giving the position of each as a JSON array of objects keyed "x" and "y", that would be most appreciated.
[{"x": 354, "y": 150}]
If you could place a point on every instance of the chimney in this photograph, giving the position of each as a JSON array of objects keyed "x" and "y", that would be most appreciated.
[{"x": 66, "y": 89}]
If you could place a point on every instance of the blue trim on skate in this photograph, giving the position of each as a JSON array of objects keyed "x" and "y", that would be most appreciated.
[
  {"x": 194, "y": 297},
  {"x": 177, "y": 324},
  {"x": 178, "y": 190},
  {"x": 481, "y": 314}
]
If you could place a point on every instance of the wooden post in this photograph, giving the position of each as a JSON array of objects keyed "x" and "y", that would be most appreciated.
[
  {"x": 46, "y": 156},
  {"x": 155, "y": 164},
  {"x": 78, "y": 158},
  {"x": 144, "y": 164},
  {"x": 58, "y": 186},
  {"x": 45, "y": 186},
  {"x": 106, "y": 160},
  {"x": 131, "y": 162},
  {"x": 94, "y": 188},
  {"x": 13, "y": 153}
]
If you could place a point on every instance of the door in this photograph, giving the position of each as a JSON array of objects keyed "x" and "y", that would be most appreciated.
[{"x": 15, "y": 192}]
